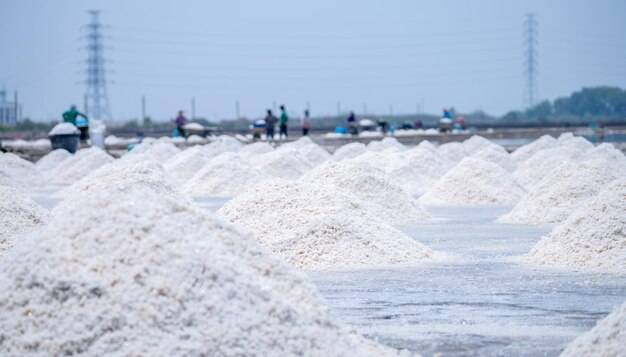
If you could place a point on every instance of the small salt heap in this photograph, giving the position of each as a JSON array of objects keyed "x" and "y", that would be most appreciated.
[
  {"x": 474, "y": 182},
  {"x": 135, "y": 273},
  {"x": 19, "y": 173},
  {"x": 286, "y": 163},
  {"x": 428, "y": 162},
  {"x": 349, "y": 151},
  {"x": 525, "y": 152},
  {"x": 453, "y": 152},
  {"x": 498, "y": 155},
  {"x": 314, "y": 153},
  {"x": 18, "y": 215},
  {"x": 160, "y": 150},
  {"x": 316, "y": 227},
  {"x": 52, "y": 159},
  {"x": 607, "y": 338},
  {"x": 477, "y": 143},
  {"x": 224, "y": 176},
  {"x": 384, "y": 144},
  {"x": 222, "y": 144},
  {"x": 254, "y": 149},
  {"x": 186, "y": 163},
  {"x": 563, "y": 190},
  {"x": 593, "y": 237},
  {"x": 371, "y": 185},
  {"x": 79, "y": 165}
]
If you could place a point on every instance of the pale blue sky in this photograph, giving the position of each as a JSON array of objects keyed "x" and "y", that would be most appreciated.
[{"x": 467, "y": 54}]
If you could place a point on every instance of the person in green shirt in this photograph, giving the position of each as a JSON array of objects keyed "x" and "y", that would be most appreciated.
[
  {"x": 71, "y": 115},
  {"x": 283, "y": 122}
]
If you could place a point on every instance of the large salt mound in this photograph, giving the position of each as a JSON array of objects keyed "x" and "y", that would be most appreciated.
[
  {"x": 426, "y": 145},
  {"x": 609, "y": 153},
  {"x": 79, "y": 165},
  {"x": 592, "y": 237},
  {"x": 477, "y": 143},
  {"x": 498, "y": 155},
  {"x": 286, "y": 163},
  {"x": 607, "y": 338},
  {"x": 314, "y": 153},
  {"x": 562, "y": 191},
  {"x": 453, "y": 152},
  {"x": 428, "y": 162},
  {"x": 187, "y": 163},
  {"x": 524, "y": 152},
  {"x": 474, "y": 182},
  {"x": 18, "y": 215},
  {"x": 19, "y": 173},
  {"x": 349, "y": 151},
  {"x": 579, "y": 141},
  {"x": 224, "y": 176},
  {"x": 254, "y": 149},
  {"x": 222, "y": 144},
  {"x": 135, "y": 273},
  {"x": 160, "y": 150},
  {"x": 52, "y": 159},
  {"x": 372, "y": 186},
  {"x": 319, "y": 227},
  {"x": 384, "y": 144}
]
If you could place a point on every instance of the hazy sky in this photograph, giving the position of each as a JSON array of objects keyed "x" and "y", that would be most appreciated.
[{"x": 399, "y": 54}]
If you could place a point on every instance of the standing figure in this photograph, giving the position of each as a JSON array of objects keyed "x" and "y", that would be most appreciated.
[
  {"x": 82, "y": 123},
  {"x": 270, "y": 123},
  {"x": 283, "y": 122},
  {"x": 180, "y": 123},
  {"x": 306, "y": 123},
  {"x": 352, "y": 124}
]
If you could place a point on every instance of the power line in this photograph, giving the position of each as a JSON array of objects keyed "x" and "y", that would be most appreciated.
[
  {"x": 530, "y": 42},
  {"x": 96, "y": 95}
]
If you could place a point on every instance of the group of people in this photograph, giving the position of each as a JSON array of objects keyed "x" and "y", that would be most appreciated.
[{"x": 283, "y": 121}]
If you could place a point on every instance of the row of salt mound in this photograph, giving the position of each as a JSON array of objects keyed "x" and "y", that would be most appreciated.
[
  {"x": 79, "y": 165},
  {"x": 607, "y": 338},
  {"x": 118, "y": 174},
  {"x": 19, "y": 173},
  {"x": 593, "y": 237},
  {"x": 158, "y": 277},
  {"x": 224, "y": 176},
  {"x": 18, "y": 215},
  {"x": 560, "y": 192},
  {"x": 315, "y": 226},
  {"x": 371, "y": 185},
  {"x": 349, "y": 151},
  {"x": 568, "y": 149},
  {"x": 52, "y": 159},
  {"x": 525, "y": 152},
  {"x": 399, "y": 168},
  {"x": 474, "y": 182},
  {"x": 186, "y": 163},
  {"x": 258, "y": 148}
]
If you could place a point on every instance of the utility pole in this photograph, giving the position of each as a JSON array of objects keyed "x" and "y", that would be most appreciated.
[
  {"x": 143, "y": 110},
  {"x": 96, "y": 80},
  {"x": 390, "y": 110},
  {"x": 274, "y": 107},
  {"x": 85, "y": 105},
  {"x": 193, "y": 108},
  {"x": 338, "y": 108},
  {"x": 308, "y": 106},
  {"x": 17, "y": 109},
  {"x": 237, "y": 109},
  {"x": 530, "y": 60},
  {"x": 364, "y": 108}
]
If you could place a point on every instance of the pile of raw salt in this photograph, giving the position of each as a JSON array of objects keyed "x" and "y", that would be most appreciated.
[
  {"x": 186, "y": 163},
  {"x": 349, "y": 151},
  {"x": 79, "y": 165},
  {"x": 593, "y": 237},
  {"x": 315, "y": 227},
  {"x": 453, "y": 152},
  {"x": 371, "y": 185},
  {"x": 138, "y": 273},
  {"x": 474, "y": 182},
  {"x": 286, "y": 163},
  {"x": 525, "y": 152},
  {"x": 607, "y": 338},
  {"x": 18, "y": 215},
  {"x": 224, "y": 176},
  {"x": 498, "y": 155},
  {"x": 222, "y": 144},
  {"x": 427, "y": 161},
  {"x": 159, "y": 151},
  {"x": 19, "y": 173},
  {"x": 258, "y": 148},
  {"x": 385, "y": 144},
  {"x": 564, "y": 189},
  {"x": 314, "y": 153},
  {"x": 52, "y": 159}
]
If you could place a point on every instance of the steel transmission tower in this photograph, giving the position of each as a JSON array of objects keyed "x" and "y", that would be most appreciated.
[
  {"x": 530, "y": 60},
  {"x": 96, "y": 95}
]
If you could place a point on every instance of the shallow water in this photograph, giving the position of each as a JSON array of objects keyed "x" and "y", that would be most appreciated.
[{"x": 481, "y": 302}]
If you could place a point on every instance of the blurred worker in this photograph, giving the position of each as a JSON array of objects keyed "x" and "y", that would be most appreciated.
[
  {"x": 446, "y": 114},
  {"x": 270, "y": 124},
  {"x": 384, "y": 125},
  {"x": 71, "y": 117},
  {"x": 282, "y": 123},
  {"x": 352, "y": 124},
  {"x": 180, "y": 123},
  {"x": 306, "y": 123}
]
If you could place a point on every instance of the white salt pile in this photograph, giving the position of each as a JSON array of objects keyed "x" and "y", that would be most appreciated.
[
  {"x": 18, "y": 215},
  {"x": 609, "y": 153},
  {"x": 79, "y": 165},
  {"x": 563, "y": 190},
  {"x": 254, "y": 149},
  {"x": 314, "y": 153},
  {"x": 222, "y": 144},
  {"x": 571, "y": 139},
  {"x": 186, "y": 163},
  {"x": 607, "y": 338},
  {"x": 384, "y": 144},
  {"x": 453, "y": 152},
  {"x": 157, "y": 277},
  {"x": 477, "y": 143},
  {"x": 286, "y": 163},
  {"x": 224, "y": 176},
  {"x": 498, "y": 155},
  {"x": 64, "y": 129},
  {"x": 52, "y": 159},
  {"x": 195, "y": 140},
  {"x": 524, "y": 152},
  {"x": 318, "y": 227},
  {"x": 19, "y": 173},
  {"x": 159, "y": 150},
  {"x": 429, "y": 163},
  {"x": 112, "y": 140},
  {"x": 593, "y": 237},
  {"x": 349, "y": 151},
  {"x": 474, "y": 182},
  {"x": 371, "y": 185},
  {"x": 427, "y": 145}
]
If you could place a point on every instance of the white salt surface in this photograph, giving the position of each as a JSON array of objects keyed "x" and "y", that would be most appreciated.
[
  {"x": 427, "y": 145},
  {"x": 453, "y": 152},
  {"x": 557, "y": 195},
  {"x": 157, "y": 277},
  {"x": 314, "y": 153},
  {"x": 186, "y": 163},
  {"x": 79, "y": 165},
  {"x": 607, "y": 338},
  {"x": 498, "y": 155},
  {"x": 428, "y": 162},
  {"x": 593, "y": 237},
  {"x": 195, "y": 140},
  {"x": 524, "y": 152},
  {"x": 224, "y": 176},
  {"x": 18, "y": 215},
  {"x": 222, "y": 144},
  {"x": 52, "y": 159},
  {"x": 371, "y": 185},
  {"x": 474, "y": 182},
  {"x": 609, "y": 153},
  {"x": 258, "y": 148},
  {"x": 349, "y": 151},
  {"x": 317, "y": 227},
  {"x": 159, "y": 150},
  {"x": 384, "y": 144},
  {"x": 286, "y": 163},
  {"x": 64, "y": 129},
  {"x": 477, "y": 143},
  {"x": 19, "y": 173}
]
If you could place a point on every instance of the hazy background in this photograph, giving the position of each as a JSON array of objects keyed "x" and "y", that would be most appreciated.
[{"x": 412, "y": 55}]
